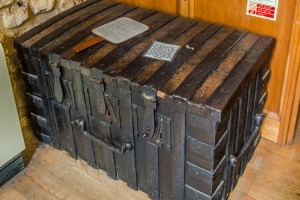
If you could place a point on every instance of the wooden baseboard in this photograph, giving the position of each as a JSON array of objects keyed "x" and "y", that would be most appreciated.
[{"x": 270, "y": 127}]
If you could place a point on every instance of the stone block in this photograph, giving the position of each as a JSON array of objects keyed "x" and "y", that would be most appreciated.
[
  {"x": 40, "y": 6},
  {"x": 4, "y": 3},
  {"x": 15, "y": 15},
  {"x": 64, "y": 5}
]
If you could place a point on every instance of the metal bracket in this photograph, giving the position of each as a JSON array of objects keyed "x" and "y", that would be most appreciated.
[{"x": 126, "y": 146}]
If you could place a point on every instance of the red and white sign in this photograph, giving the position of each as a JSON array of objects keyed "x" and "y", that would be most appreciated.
[{"x": 266, "y": 9}]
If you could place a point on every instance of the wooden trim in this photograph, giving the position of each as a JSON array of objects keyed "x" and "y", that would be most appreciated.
[
  {"x": 184, "y": 8},
  {"x": 270, "y": 126},
  {"x": 295, "y": 110},
  {"x": 290, "y": 95},
  {"x": 187, "y": 8},
  {"x": 192, "y": 9}
]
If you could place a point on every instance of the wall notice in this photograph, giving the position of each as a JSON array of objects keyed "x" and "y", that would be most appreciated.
[{"x": 266, "y": 9}]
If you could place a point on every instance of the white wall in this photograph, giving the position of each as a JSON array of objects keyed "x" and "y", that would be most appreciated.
[{"x": 11, "y": 138}]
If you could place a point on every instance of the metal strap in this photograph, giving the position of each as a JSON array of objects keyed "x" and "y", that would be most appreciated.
[
  {"x": 99, "y": 92},
  {"x": 110, "y": 111},
  {"x": 126, "y": 146},
  {"x": 148, "y": 122},
  {"x": 158, "y": 133},
  {"x": 253, "y": 139},
  {"x": 58, "y": 91}
]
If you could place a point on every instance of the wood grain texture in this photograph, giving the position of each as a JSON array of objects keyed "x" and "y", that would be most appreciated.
[
  {"x": 283, "y": 95},
  {"x": 225, "y": 11},
  {"x": 270, "y": 128},
  {"x": 291, "y": 87},
  {"x": 272, "y": 173},
  {"x": 168, "y": 6},
  {"x": 88, "y": 43}
]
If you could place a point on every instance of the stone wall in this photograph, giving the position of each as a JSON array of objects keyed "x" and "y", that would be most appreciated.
[{"x": 17, "y": 17}]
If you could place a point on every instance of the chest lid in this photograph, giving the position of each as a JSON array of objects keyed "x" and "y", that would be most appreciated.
[{"x": 209, "y": 69}]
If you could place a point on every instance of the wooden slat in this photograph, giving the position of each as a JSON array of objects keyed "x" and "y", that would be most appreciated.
[
  {"x": 53, "y": 20},
  {"x": 232, "y": 85},
  {"x": 120, "y": 65},
  {"x": 64, "y": 129},
  {"x": 155, "y": 69},
  {"x": 167, "y": 33},
  {"x": 141, "y": 163},
  {"x": 239, "y": 138},
  {"x": 72, "y": 37},
  {"x": 109, "y": 47},
  {"x": 178, "y": 155},
  {"x": 188, "y": 86},
  {"x": 194, "y": 60},
  {"x": 136, "y": 14},
  {"x": 127, "y": 165},
  {"x": 154, "y": 22},
  {"x": 171, "y": 35},
  {"x": 232, "y": 131},
  {"x": 208, "y": 87},
  {"x": 237, "y": 53},
  {"x": 66, "y": 24},
  {"x": 165, "y": 166},
  {"x": 188, "y": 38},
  {"x": 249, "y": 113},
  {"x": 152, "y": 170}
]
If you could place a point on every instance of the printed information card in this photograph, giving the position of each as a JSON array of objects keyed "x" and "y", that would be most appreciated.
[
  {"x": 120, "y": 30},
  {"x": 162, "y": 51},
  {"x": 266, "y": 9}
]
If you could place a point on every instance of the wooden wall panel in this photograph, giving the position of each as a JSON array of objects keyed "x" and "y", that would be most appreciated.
[
  {"x": 168, "y": 6},
  {"x": 233, "y": 13},
  {"x": 291, "y": 90}
]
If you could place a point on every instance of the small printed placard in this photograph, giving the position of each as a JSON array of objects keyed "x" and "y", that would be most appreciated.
[
  {"x": 162, "y": 51},
  {"x": 266, "y": 9},
  {"x": 120, "y": 30}
]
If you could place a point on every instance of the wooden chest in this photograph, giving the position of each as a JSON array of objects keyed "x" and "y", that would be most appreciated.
[{"x": 176, "y": 130}]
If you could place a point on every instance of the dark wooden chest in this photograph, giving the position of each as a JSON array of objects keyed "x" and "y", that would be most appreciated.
[{"x": 176, "y": 130}]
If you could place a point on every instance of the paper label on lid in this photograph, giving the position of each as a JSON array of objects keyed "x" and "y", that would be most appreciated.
[
  {"x": 162, "y": 51},
  {"x": 266, "y": 9},
  {"x": 120, "y": 30}
]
